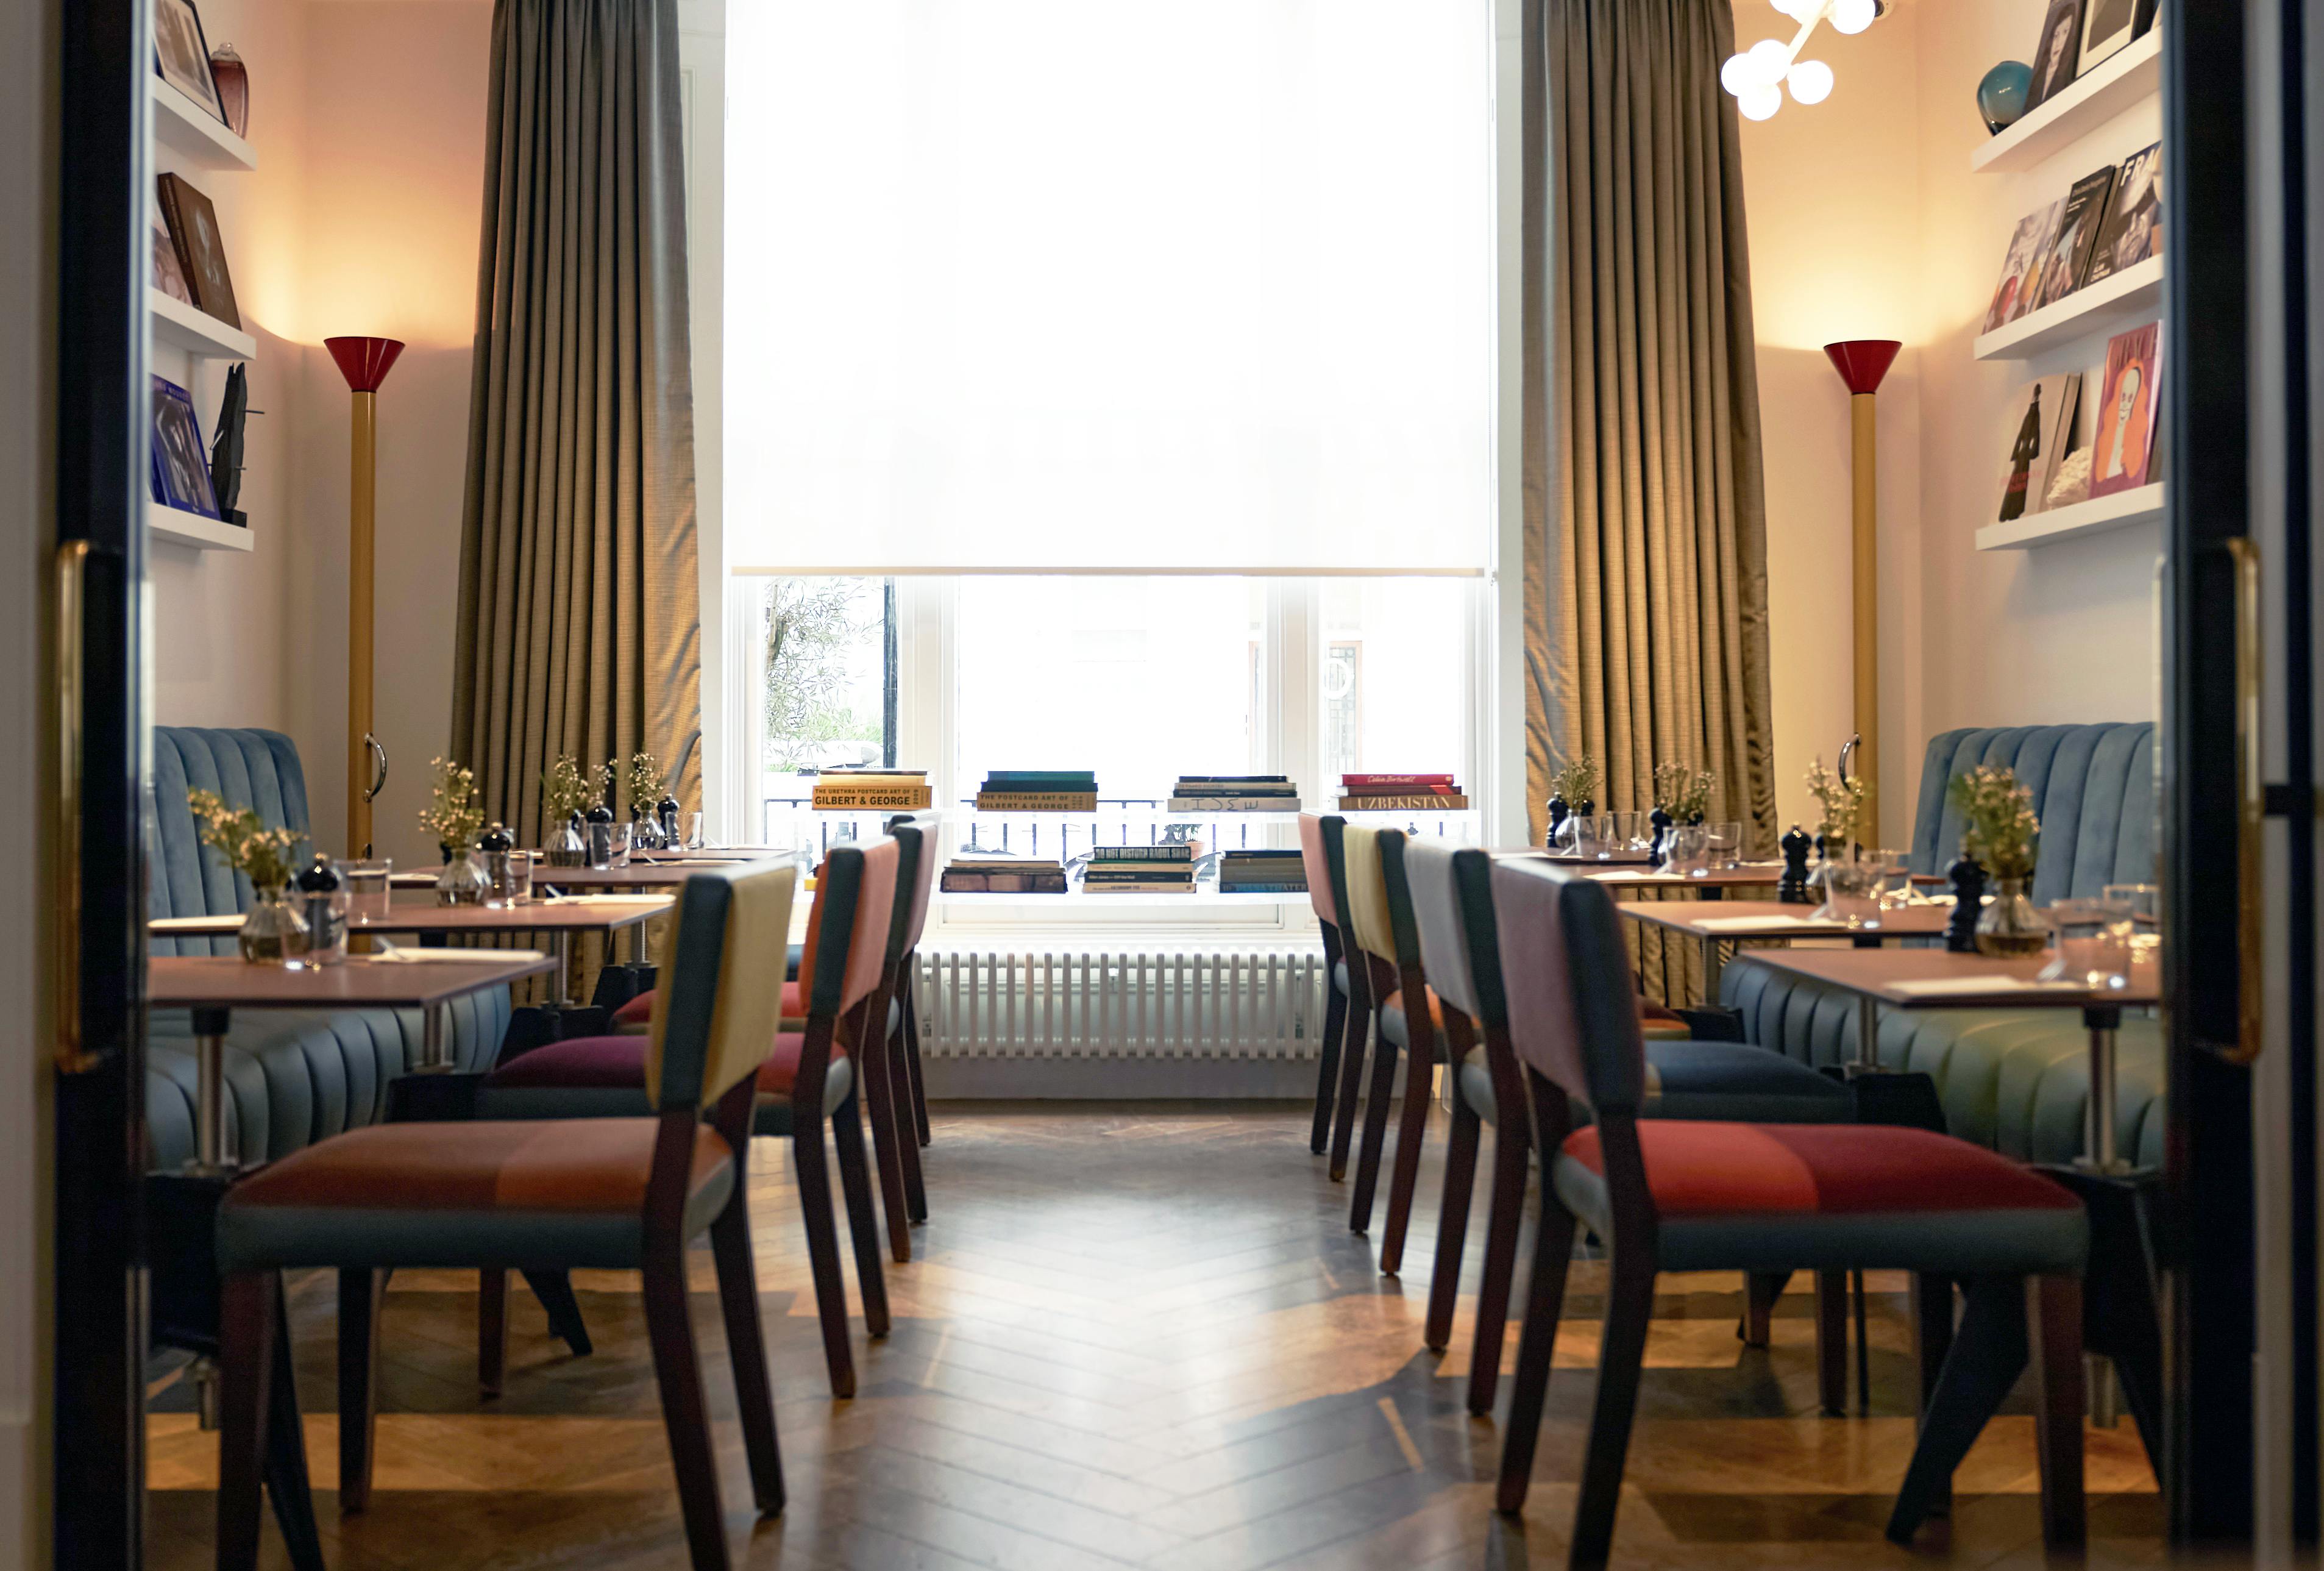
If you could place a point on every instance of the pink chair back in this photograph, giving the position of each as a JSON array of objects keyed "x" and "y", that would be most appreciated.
[
  {"x": 1318, "y": 864},
  {"x": 1565, "y": 972}
]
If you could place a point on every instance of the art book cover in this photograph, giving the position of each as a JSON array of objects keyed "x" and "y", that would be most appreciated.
[
  {"x": 2024, "y": 246},
  {"x": 181, "y": 474},
  {"x": 2133, "y": 230},
  {"x": 2056, "y": 52},
  {"x": 2030, "y": 457},
  {"x": 2121, "y": 453},
  {"x": 2067, "y": 265},
  {"x": 2030, "y": 290}
]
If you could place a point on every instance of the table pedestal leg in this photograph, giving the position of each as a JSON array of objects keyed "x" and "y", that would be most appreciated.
[
  {"x": 1713, "y": 963},
  {"x": 2098, "y": 1153},
  {"x": 565, "y": 969},
  {"x": 209, "y": 1094},
  {"x": 432, "y": 1058},
  {"x": 1868, "y": 1033}
]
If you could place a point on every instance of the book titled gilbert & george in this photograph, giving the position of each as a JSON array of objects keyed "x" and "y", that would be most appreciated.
[{"x": 841, "y": 789}]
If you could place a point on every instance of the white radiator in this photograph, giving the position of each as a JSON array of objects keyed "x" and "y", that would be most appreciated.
[{"x": 1160, "y": 1004}]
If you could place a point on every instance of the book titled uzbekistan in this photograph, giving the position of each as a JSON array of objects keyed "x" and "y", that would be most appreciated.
[
  {"x": 1234, "y": 793},
  {"x": 857, "y": 789},
  {"x": 1401, "y": 793},
  {"x": 1038, "y": 790}
]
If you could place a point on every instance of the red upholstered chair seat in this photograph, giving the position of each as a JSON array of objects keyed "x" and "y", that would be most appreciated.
[
  {"x": 1711, "y": 1170},
  {"x": 618, "y": 1063},
  {"x": 639, "y": 1011},
  {"x": 566, "y": 1165}
]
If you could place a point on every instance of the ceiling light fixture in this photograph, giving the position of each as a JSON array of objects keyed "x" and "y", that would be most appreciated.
[{"x": 1758, "y": 75}]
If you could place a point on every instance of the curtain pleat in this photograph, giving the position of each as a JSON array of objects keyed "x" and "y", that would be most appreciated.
[
  {"x": 580, "y": 621},
  {"x": 1646, "y": 578}
]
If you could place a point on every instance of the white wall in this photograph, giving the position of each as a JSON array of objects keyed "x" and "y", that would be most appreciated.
[
  {"x": 29, "y": 43},
  {"x": 1866, "y": 222}
]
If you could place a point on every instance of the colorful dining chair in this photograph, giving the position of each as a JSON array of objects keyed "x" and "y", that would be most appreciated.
[
  {"x": 1336, "y": 968},
  {"x": 617, "y": 1194},
  {"x": 907, "y": 1029},
  {"x": 1450, "y": 891},
  {"x": 809, "y": 1075},
  {"x": 1682, "y": 1194}
]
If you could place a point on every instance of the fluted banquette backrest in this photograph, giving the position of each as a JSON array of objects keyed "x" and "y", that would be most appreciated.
[
  {"x": 2093, "y": 790},
  {"x": 246, "y": 767}
]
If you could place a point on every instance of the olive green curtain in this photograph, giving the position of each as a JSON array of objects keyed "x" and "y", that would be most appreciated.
[
  {"x": 580, "y": 621},
  {"x": 1646, "y": 575}
]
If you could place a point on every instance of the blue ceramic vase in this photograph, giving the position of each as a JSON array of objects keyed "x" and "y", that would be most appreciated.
[{"x": 2001, "y": 95}]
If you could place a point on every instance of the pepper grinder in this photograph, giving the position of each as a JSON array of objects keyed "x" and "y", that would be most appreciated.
[
  {"x": 1791, "y": 888},
  {"x": 323, "y": 902},
  {"x": 498, "y": 848},
  {"x": 1967, "y": 876}
]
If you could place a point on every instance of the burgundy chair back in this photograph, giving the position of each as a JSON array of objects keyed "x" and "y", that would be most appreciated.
[{"x": 1565, "y": 972}]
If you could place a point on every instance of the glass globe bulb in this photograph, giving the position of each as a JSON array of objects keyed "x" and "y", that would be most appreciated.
[
  {"x": 1798, "y": 10},
  {"x": 1770, "y": 59},
  {"x": 1810, "y": 81},
  {"x": 1740, "y": 75},
  {"x": 1761, "y": 102},
  {"x": 1854, "y": 15}
]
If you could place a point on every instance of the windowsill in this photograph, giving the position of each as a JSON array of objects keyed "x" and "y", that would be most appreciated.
[{"x": 1206, "y": 920}]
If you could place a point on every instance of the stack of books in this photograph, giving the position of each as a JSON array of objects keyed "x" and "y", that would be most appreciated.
[
  {"x": 1167, "y": 869},
  {"x": 1004, "y": 875},
  {"x": 1262, "y": 872},
  {"x": 1371, "y": 793},
  {"x": 865, "y": 789},
  {"x": 1038, "y": 790},
  {"x": 1234, "y": 793}
]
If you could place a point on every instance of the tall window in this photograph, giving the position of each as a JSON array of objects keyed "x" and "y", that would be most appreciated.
[{"x": 1148, "y": 354}]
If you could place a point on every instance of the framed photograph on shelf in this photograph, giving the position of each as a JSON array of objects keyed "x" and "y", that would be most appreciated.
[
  {"x": 2107, "y": 28},
  {"x": 201, "y": 249},
  {"x": 181, "y": 468},
  {"x": 2056, "y": 51},
  {"x": 168, "y": 271},
  {"x": 2133, "y": 230},
  {"x": 2122, "y": 452},
  {"x": 182, "y": 55}
]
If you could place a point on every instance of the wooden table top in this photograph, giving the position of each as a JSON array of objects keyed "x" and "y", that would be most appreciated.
[
  {"x": 227, "y": 982},
  {"x": 1940, "y": 979},
  {"x": 1634, "y": 875},
  {"x": 1767, "y": 919},
  {"x": 639, "y": 874},
  {"x": 572, "y": 914}
]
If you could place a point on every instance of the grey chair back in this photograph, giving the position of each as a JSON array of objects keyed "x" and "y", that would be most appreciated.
[
  {"x": 1452, "y": 903},
  {"x": 1565, "y": 971}
]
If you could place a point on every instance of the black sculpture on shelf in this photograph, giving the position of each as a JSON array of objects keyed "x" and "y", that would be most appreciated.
[
  {"x": 1791, "y": 888},
  {"x": 1967, "y": 879},
  {"x": 226, "y": 447}
]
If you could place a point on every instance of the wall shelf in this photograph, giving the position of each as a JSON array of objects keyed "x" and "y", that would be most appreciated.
[
  {"x": 197, "y": 138},
  {"x": 2133, "y": 74},
  {"x": 195, "y": 331},
  {"x": 179, "y": 527},
  {"x": 2123, "y": 510},
  {"x": 2131, "y": 297}
]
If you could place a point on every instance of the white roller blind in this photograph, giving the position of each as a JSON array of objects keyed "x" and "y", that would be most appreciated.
[{"x": 1082, "y": 284}]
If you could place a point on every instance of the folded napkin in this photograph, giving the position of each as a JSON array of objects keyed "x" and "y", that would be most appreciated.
[
  {"x": 1766, "y": 924},
  {"x": 394, "y": 956},
  {"x": 605, "y": 899},
  {"x": 166, "y": 925},
  {"x": 1957, "y": 986}
]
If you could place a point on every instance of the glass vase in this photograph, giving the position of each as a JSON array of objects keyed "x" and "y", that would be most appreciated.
[
  {"x": 1851, "y": 893},
  {"x": 272, "y": 932},
  {"x": 2008, "y": 928},
  {"x": 566, "y": 848},
  {"x": 463, "y": 880}
]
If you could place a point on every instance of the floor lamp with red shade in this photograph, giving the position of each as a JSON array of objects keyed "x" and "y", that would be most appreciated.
[
  {"x": 1862, "y": 362},
  {"x": 365, "y": 363}
]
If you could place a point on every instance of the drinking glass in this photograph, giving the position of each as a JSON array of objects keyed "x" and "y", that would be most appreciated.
[
  {"x": 600, "y": 837},
  {"x": 511, "y": 881},
  {"x": 367, "y": 885},
  {"x": 1620, "y": 834},
  {"x": 2142, "y": 924},
  {"x": 1690, "y": 850},
  {"x": 2093, "y": 943},
  {"x": 1592, "y": 837},
  {"x": 1724, "y": 848},
  {"x": 1893, "y": 886},
  {"x": 622, "y": 845},
  {"x": 694, "y": 837}
]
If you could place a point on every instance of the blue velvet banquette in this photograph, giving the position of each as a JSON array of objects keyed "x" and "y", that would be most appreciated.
[
  {"x": 2017, "y": 1080},
  {"x": 291, "y": 1077}
]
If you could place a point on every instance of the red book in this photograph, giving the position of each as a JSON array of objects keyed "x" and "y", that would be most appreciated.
[{"x": 1396, "y": 785}]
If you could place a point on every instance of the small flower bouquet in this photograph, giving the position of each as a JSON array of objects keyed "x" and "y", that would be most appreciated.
[
  {"x": 453, "y": 815},
  {"x": 1684, "y": 792},
  {"x": 2002, "y": 833},
  {"x": 272, "y": 933},
  {"x": 1844, "y": 802},
  {"x": 564, "y": 792},
  {"x": 1576, "y": 780}
]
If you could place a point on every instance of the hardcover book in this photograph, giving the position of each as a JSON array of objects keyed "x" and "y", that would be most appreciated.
[
  {"x": 1169, "y": 851},
  {"x": 2122, "y": 452},
  {"x": 2017, "y": 268},
  {"x": 1232, "y": 804},
  {"x": 1430, "y": 802},
  {"x": 1037, "y": 801},
  {"x": 2132, "y": 230},
  {"x": 202, "y": 250},
  {"x": 2068, "y": 265}
]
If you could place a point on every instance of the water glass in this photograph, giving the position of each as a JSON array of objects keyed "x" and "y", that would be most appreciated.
[
  {"x": 622, "y": 843},
  {"x": 511, "y": 876},
  {"x": 1591, "y": 838},
  {"x": 2144, "y": 905},
  {"x": 1724, "y": 848},
  {"x": 600, "y": 837},
  {"x": 368, "y": 887},
  {"x": 694, "y": 840},
  {"x": 1690, "y": 850},
  {"x": 2093, "y": 943},
  {"x": 1893, "y": 886}
]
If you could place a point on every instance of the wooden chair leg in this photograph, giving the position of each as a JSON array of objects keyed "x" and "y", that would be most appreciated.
[
  {"x": 912, "y": 1060},
  {"x": 746, "y": 1346},
  {"x": 2053, "y": 1314},
  {"x": 1511, "y": 1146},
  {"x": 246, "y": 1313},
  {"x": 492, "y": 1329},
  {"x": 1552, "y": 1250},
  {"x": 1412, "y": 1128},
  {"x": 685, "y": 1415},
  {"x": 1452, "y": 1223},
  {"x": 1622, "y": 1352},
  {"x": 1761, "y": 1290},
  {"x": 1358, "y": 1032},
  {"x": 1327, "y": 1072},
  {"x": 361, "y": 1293},
  {"x": 287, "y": 1484},
  {"x": 1368, "y": 1155},
  {"x": 908, "y": 1144},
  {"x": 863, "y": 1222},
  {"x": 874, "y": 1084},
  {"x": 1863, "y": 1343},
  {"x": 1933, "y": 1340},
  {"x": 555, "y": 1291},
  {"x": 1988, "y": 1354},
  {"x": 823, "y": 1250},
  {"x": 1832, "y": 1341}
]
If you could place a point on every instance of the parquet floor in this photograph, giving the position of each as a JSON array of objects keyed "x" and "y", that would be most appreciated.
[{"x": 1133, "y": 1336}]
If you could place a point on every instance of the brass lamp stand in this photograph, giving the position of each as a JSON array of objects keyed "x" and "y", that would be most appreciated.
[{"x": 365, "y": 363}]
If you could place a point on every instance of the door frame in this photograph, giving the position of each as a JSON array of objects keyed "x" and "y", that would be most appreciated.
[{"x": 98, "y": 995}]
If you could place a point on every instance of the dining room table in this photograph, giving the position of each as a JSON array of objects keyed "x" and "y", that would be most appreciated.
[
  {"x": 214, "y": 987},
  {"x": 1716, "y": 923}
]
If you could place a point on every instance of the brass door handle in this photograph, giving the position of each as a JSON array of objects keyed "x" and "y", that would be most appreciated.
[
  {"x": 2251, "y": 807},
  {"x": 72, "y": 691}
]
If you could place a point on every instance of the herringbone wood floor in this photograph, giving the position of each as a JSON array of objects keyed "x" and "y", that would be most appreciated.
[{"x": 1134, "y": 1337}]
